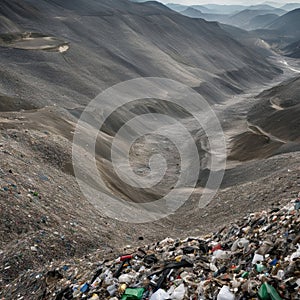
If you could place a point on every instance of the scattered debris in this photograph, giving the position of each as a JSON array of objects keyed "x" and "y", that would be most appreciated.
[{"x": 258, "y": 257}]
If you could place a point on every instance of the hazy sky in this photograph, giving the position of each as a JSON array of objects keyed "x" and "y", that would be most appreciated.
[{"x": 244, "y": 2}]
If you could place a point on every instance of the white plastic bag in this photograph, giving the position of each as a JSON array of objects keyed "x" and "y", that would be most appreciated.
[
  {"x": 160, "y": 295},
  {"x": 257, "y": 257},
  {"x": 220, "y": 254},
  {"x": 295, "y": 254},
  {"x": 178, "y": 293},
  {"x": 125, "y": 278},
  {"x": 240, "y": 243},
  {"x": 225, "y": 294},
  {"x": 213, "y": 267}
]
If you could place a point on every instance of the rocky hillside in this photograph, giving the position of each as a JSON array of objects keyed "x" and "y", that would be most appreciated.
[
  {"x": 77, "y": 49},
  {"x": 56, "y": 56}
]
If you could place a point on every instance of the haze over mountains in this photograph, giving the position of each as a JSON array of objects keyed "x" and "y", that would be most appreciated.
[
  {"x": 246, "y": 17},
  {"x": 58, "y": 55},
  {"x": 276, "y": 24}
]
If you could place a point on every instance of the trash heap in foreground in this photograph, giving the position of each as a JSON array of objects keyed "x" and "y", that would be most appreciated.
[{"x": 258, "y": 257}]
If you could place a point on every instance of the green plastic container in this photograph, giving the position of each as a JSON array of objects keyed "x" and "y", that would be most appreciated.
[{"x": 133, "y": 294}]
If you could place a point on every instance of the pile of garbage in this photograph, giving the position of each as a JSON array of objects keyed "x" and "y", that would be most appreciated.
[{"x": 257, "y": 257}]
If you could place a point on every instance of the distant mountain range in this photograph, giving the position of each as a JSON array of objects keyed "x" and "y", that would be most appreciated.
[
  {"x": 291, "y": 6},
  {"x": 222, "y": 9},
  {"x": 277, "y": 24},
  {"x": 229, "y": 9},
  {"x": 249, "y": 19},
  {"x": 283, "y": 31},
  {"x": 233, "y": 9},
  {"x": 195, "y": 13},
  {"x": 288, "y": 24}
]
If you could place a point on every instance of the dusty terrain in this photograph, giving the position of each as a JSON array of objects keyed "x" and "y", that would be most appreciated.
[{"x": 44, "y": 216}]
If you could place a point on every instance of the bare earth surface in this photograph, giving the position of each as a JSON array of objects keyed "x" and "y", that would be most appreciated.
[{"x": 53, "y": 62}]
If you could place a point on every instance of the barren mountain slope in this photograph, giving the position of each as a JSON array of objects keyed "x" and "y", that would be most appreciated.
[
  {"x": 55, "y": 56},
  {"x": 112, "y": 41}
]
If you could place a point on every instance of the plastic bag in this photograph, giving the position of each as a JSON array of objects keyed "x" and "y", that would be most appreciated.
[
  {"x": 296, "y": 254},
  {"x": 225, "y": 294},
  {"x": 160, "y": 295},
  {"x": 267, "y": 292},
  {"x": 125, "y": 278},
  {"x": 178, "y": 293},
  {"x": 220, "y": 254},
  {"x": 257, "y": 258}
]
